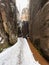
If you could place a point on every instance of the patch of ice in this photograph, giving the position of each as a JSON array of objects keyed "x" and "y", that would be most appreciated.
[{"x": 18, "y": 54}]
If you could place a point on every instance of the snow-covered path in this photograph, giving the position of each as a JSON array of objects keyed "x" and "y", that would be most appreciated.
[{"x": 18, "y": 54}]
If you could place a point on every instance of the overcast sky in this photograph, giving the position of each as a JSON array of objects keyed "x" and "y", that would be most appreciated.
[{"x": 21, "y": 4}]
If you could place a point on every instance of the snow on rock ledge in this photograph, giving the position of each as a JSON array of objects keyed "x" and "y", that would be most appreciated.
[{"x": 18, "y": 54}]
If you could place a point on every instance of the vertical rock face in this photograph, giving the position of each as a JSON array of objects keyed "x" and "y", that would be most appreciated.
[
  {"x": 35, "y": 6},
  {"x": 44, "y": 29},
  {"x": 9, "y": 20},
  {"x": 39, "y": 24},
  {"x": 3, "y": 37}
]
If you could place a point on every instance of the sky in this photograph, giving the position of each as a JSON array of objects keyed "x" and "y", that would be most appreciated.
[{"x": 21, "y": 4}]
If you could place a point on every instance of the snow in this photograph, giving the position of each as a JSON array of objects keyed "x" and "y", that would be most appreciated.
[{"x": 18, "y": 54}]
